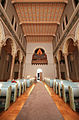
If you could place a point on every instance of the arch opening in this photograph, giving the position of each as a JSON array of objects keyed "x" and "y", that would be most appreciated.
[
  {"x": 73, "y": 62},
  {"x": 39, "y": 74},
  {"x": 16, "y": 65},
  {"x": 6, "y": 60},
  {"x": 62, "y": 66}
]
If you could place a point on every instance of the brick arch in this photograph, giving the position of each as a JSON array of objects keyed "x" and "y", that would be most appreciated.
[
  {"x": 66, "y": 43},
  {"x": 58, "y": 54},
  {"x": 39, "y": 47},
  {"x": 20, "y": 54},
  {"x": 13, "y": 44},
  {"x": 2, "y": 34}
]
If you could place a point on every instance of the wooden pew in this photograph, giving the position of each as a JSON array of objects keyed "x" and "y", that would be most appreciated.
[
  {"x": 47, "y": 81},
  {"x": 66, "y": 90},
  {"x": 51, "y": 83},
  {"x": 54, "y": 84},
  {"x": 22, "y": 85},
  {"x": 14, "y": 92},
  {"x": 60, "y": 90},
  {"x": 25, "y": 82},
  {"x": 0, "y": 91},
  {"x": 19, "y": 89},
  {"x": 5, "y": 97},
  {"x": 14, "y": 87},
  {"x": 30, "y": 82},
  {"x": 74, "y": 97}
]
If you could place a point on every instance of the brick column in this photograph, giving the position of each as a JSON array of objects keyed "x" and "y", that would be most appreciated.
[
  {"x": 19, "y": 74},
  {"x": 67, "y": 67},
  {"x": 12, "y": 67},
  {"x": 59, "y": 69}
]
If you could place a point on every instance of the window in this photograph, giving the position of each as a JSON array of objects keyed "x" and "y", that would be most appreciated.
[
  {"x": 15, "y": 26},
  {"x": 56, "y": 39},
  {"x": 12, "y": 20},
  {"x": 76, "y": 2},
  {"x": 63, "y": 26},
  {"x": 59, "y": 35},
  {"x": 66, "y": 20},
  {"x": 3, "y": 3}
]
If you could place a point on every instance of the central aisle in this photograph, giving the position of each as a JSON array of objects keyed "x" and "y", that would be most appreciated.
[{"x": 39, "y": 106}]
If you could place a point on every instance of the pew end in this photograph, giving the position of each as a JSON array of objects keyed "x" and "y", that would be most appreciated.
[
  {"x": 74, "y": 98},
  {"x": 5, "y": 97}
]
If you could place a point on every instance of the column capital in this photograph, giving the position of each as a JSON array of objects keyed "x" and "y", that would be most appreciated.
[
  {"x": 65, "y": 54},
  {"x": 13, "y": 54},
  {"x": 12, "y": 66}
]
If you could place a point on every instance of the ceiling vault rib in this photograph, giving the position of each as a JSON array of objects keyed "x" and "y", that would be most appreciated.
[
  {"x": 41, "y": 35},
  {"x": 40, "y": 1},
  {"x": 47, "y": 22}
]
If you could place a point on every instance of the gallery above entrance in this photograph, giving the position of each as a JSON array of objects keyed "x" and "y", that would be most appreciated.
[{"x": 39, "y": 57}]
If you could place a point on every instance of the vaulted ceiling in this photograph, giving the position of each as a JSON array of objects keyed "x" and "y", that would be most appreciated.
[{"x": 39, "y": 18}]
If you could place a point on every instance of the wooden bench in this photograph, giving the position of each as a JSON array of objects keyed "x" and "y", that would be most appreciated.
[
  {"x": 47, "y": 81},
  {"x": 25, "y": 82},
  {"x": 54, "y": 84},
  {"x": 30, "y": 82},
  {"x": 5, "y": 97},
  {"x": 60, "y": 89},
  {"x": 74, "y": 97},
  {"x": 65, "y": 89},
  {"x": 14, "y": 87},
  {"x": 22, "y": 85}
]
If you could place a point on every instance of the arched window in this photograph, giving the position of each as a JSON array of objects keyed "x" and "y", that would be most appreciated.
[
  {"x": 15, "y": 26},
  {"x": 63, "y": 26},
  {"x": 3, "y": 2},
  {"x": 76, "y": 2},
  {"x": 12, "y": 20},
  {"x": 66, "y": 19},
  {"x": 59, "y": 35},
  {"x": 39, "y": 57}
]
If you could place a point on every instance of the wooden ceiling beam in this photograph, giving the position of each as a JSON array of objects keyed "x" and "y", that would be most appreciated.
[
  {"x": 39, "y": 1},
  {"x": 39, "y": 35},
  {"x": 40, "y": 22}
]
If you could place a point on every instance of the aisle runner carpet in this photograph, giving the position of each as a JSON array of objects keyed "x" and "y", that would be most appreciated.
[{"x": 39, "y": 106}]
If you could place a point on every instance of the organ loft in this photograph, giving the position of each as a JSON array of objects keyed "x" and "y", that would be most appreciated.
[{"x": 39, "y": 59}]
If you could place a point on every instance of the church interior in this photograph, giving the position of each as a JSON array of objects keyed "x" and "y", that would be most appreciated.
[{"x": 39, "y": 59}]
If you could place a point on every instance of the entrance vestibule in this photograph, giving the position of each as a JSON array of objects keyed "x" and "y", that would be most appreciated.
[{"x": 39, "y": 74}]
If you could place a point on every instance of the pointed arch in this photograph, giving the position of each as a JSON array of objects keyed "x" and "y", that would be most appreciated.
[{"x": 2, "y": 33}]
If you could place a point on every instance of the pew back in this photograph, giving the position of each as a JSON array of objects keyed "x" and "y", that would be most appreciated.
[
  {"x": 74, "y": 95},
  {"x": 5, "y": 97}
]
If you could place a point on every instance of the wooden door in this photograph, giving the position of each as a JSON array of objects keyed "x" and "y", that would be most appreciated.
[{"x": 40, "y": 76}]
